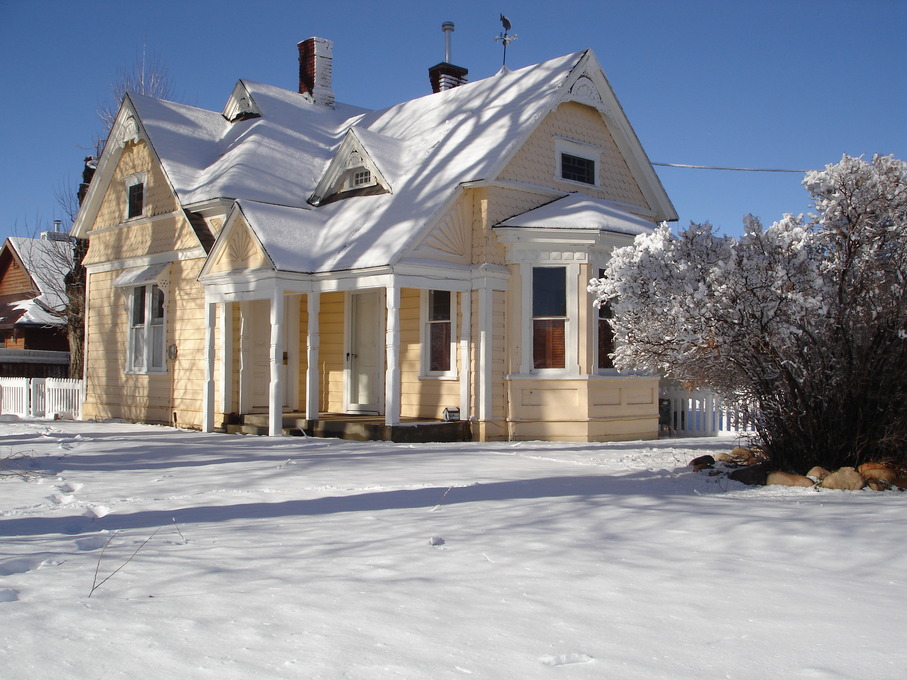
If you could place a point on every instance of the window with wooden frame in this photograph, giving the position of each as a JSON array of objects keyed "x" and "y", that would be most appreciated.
[
  {"x": 135, "y": 200},
  {"x": 605, "y": 339},
  {"x": 146, "y": 333},
  {"x": 549, "y": 317},
  {"x": 577, "y": 162},
  {"x": 438, "y": 333}
]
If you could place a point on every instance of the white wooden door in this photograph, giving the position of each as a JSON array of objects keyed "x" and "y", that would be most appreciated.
[{"x": 364, "y": 356}]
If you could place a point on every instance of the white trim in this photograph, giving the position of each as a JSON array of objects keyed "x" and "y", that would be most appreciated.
[
  {"x": 571, "y": 367},
  {"x": 465, "y": 351},
  {"x": 392, "y": 387},
  {"x": 276, "y": 391},
  {"x": 225, "y": 376},
  {"x": 145, "y": 260},
  {"x": 132, "y": 180},
  {"x": 586, "y": 151},
  {"x": 313, "y": 341},
  {"x": 147, "y": 330}
]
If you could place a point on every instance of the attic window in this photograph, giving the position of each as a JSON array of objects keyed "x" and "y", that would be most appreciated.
[
  {"x": 135, "y": 200},
  {"x": 577, "y": 162},
  {"x": 362, "y": 178},
  {"x": 577, "y": 169}
]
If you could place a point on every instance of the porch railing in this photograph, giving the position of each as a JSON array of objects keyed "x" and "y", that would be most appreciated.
[{"x": 41, "y": 397}]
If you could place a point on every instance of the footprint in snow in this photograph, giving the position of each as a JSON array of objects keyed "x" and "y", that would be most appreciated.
[
  {"x": 8, "y": 595},
  {"x": 23, "y": 565},
  {"x": 61, "y": 499},
  {"x": 92, "y": 542},
  {"x": 97, "y": 512},
  {"x": 565, "y": 659},
  {"x": 70, "y": 487}
]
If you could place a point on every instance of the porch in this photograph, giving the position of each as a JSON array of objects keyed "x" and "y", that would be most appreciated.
[{"x": 355, "y": 427}]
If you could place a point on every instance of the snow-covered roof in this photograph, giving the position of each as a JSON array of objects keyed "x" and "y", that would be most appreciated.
[
  {"x": 425, "y": 149},
  {"x": 46, "y": 262},
  {"x": 578, "y": 211}
]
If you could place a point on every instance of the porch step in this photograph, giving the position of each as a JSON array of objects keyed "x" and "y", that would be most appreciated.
[{"x": 359, "y": 428}]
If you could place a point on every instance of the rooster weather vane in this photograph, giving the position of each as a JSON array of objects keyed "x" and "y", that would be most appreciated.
[{"x": 505, "y": 37}]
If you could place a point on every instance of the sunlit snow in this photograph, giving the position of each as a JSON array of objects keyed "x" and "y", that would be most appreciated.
[{"x": 139, "y": 551}]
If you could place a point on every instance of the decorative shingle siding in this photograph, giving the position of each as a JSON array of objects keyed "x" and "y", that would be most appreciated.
[{"x": 535, "y": 162}]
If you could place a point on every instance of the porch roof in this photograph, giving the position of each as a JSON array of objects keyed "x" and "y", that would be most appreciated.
[{"x": 578, "y": 211}]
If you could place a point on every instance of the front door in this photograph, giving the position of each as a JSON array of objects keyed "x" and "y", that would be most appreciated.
[{"x": 364, "y": 356}]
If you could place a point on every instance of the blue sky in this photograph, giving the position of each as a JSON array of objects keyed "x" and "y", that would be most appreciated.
[{"x": 775, "y": 84}]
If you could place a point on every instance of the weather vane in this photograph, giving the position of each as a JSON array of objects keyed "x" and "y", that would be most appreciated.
[{"x": 505, "y": 37}]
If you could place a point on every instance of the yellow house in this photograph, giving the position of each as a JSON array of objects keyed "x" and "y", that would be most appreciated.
[{"x": 294, "y": 255}]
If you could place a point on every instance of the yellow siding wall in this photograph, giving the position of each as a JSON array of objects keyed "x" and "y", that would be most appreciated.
[
  {"x": 535, "y": 162},
  {"x": 422, "y": 397},
  {"x": 153, "y": 398},
  {"x": 592, "y": 409},
  {"x": 330, "y": 353}
]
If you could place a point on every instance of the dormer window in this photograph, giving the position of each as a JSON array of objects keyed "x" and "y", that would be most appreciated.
[
  {"x": 362, "y": 178},
  {"x": 576, "y": 162}
]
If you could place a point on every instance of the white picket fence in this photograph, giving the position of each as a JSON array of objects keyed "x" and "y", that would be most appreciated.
[
  {"x": 698, "y": 414},
  {"x": 41, "y": 397}
]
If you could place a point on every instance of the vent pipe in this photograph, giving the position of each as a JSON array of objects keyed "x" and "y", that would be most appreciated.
[{"x": 446, "y": 76}]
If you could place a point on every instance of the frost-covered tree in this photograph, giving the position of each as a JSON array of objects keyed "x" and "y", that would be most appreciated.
[{"x": 803, "y": 322}]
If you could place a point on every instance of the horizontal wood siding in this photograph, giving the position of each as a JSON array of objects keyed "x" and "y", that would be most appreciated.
[
  {"x": 330, "y": 353},
  {"x": 110, "y": 391}
]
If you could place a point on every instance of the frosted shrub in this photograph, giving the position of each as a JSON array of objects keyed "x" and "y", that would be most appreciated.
[{"x": 804, "y": 322}]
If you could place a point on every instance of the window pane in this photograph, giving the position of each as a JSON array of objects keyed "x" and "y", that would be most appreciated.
[
  {"x": 439, "y": 360},
  {"x": 136, "y": 200},
  {"x": 605, "y": 343},
  {"x": 138, "y": 306},
  {"x": 577, "y": 169},
  {"x": 549, "y": 291},
  {"x": 157, "y": 347},
  {"x": 157, "y": 304},
  {"x": 138, "y": 348},
  {"x": 439, "y": 305},
  {"x": 549, "y": 343}
]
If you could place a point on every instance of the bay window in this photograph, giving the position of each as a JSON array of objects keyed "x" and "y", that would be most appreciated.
[{"x": 549, "y": 317}]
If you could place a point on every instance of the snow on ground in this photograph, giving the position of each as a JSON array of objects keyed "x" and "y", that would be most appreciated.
[{"x": 250, "y": 557}]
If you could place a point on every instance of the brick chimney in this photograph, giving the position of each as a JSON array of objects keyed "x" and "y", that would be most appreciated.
[
  {"x": 446, "y": 76},
  {"x": 315, "y": 57}
]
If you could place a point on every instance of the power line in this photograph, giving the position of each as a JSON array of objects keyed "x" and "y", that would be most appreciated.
[{"x": 718, "y": 167}]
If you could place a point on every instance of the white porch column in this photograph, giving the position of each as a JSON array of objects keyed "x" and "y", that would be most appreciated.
[
  {"x": 392, "y": 343},
  {"x": 312, "y": 397},
  {"x": 225, "y": 376},
  {"x": 210, "y": 354},
  {"x": 276, "y": 388},
  {"x": 245, "y": 356},
  {"x": 465, "y": 367},
  {"x": 486, "y": 331}
]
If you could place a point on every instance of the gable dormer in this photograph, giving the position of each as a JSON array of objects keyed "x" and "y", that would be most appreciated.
[
  {"x": 240, "y": 105},
  {"x": 355, "y": 170}
]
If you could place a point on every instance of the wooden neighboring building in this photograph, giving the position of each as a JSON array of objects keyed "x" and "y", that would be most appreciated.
[
  {"x": 294, "y": 254},
  {"x": 33, "y": 340}
]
